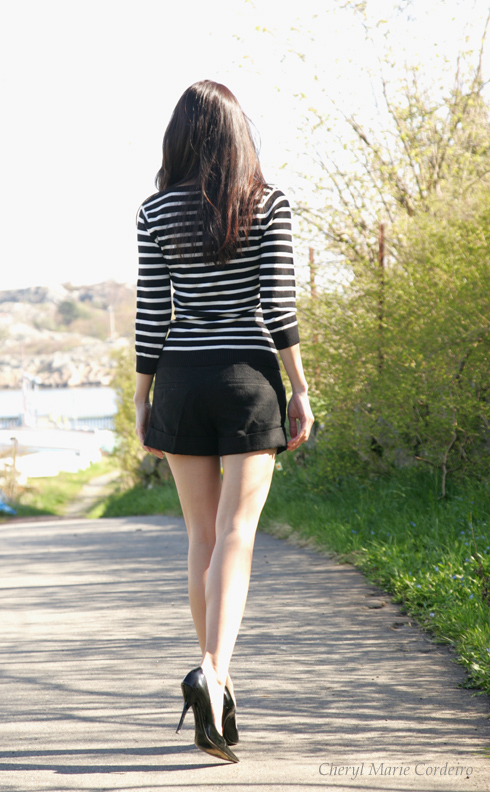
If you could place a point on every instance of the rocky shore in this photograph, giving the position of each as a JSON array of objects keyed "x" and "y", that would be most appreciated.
[{"x": 64, "y": 336}]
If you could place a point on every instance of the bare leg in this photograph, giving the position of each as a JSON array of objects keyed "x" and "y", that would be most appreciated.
[
  {"x": 246, "y": 484},
  {"x": 221, "y": 521},
  {"x": 198, "y": 481}
]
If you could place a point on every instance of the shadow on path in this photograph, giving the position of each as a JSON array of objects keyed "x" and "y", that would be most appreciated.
[{"x": 97, "y": 636}]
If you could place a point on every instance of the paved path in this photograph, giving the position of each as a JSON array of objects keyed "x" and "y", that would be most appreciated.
[{"x": 332, "y": 693}]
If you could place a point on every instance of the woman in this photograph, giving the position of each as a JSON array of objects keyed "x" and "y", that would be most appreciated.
[{"x": 215, "y": 246}]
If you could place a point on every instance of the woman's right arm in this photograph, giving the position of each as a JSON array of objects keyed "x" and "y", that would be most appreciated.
[
  {"x": 278, "y": 301},
  {"x": 299, "y": 405}
]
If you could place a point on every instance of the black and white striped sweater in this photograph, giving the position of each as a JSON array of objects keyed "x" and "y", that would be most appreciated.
[{"x": 241, "y": 311}]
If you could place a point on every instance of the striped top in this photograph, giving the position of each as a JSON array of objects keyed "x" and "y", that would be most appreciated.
[{"x": 242, "y": 311}]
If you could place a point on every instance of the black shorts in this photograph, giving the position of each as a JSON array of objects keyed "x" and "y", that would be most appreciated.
[{"x": 217, "y": 410}]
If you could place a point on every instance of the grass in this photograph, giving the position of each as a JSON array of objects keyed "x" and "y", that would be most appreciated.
[
  {"x": 161, "y": 499},
  {"x": 50, "y": 495},
  {"x": 431, "y": 555}
]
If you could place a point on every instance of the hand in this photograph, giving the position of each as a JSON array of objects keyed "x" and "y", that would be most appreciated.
[
  {"x": 143, "y": 412},
  {"x": 299, "y": 410}
]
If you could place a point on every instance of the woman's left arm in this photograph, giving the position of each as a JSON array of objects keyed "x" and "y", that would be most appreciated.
[
  {"x": 153, "y": 299},
  {"x": 142, "y": 406},
  {"x": 154, "y": 309}
]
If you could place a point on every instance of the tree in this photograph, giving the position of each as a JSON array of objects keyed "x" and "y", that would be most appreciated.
[
  {"x": 68, "y": 311},
  {"x": 423, "y": 145},
  {"x": 128, "y": 450},
  {"x": 403, "y": 344}
]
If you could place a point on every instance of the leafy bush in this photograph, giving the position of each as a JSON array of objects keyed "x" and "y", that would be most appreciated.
[{"x": 69, "y": 310}]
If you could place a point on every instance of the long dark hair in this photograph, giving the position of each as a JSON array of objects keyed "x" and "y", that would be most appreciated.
[{"x": 208, "y": 142}]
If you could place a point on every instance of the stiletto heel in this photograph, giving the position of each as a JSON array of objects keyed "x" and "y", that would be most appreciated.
[
  {"x": 187, "y": 705},
  {"x": 207, "y": 737},
  {"x": 230, "y": 730}
]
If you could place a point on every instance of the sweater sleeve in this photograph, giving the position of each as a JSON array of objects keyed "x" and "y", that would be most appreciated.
[
  {"x": 276, "y": 274},
  {"x": 153, "y": 299}
]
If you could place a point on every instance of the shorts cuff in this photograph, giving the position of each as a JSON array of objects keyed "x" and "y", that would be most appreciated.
[
  {"x": 259, "y": 441},
  {"x": 197, "y": 446},
  {"x": 206, "y": 446}
]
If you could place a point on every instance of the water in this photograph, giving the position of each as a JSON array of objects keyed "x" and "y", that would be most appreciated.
[{"x": 90, "y": 403}]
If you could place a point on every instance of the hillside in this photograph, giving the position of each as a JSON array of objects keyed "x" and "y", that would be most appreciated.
[{"x": 64, "y": 335}]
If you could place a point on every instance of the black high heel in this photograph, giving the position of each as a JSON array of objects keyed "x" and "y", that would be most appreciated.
[
  {"x": 230, "y": 731},
  {"x": 207, "y": 737}
]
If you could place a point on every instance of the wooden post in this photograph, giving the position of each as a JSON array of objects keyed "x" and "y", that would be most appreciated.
[
  {"x": 313, "y": 289},
  {"x": 381, "y": 298},
  {"x": 112, "y": 323},
  {"x": 314, "y": 298}
]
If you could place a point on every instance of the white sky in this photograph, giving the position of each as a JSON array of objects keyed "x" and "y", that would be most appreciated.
[{"x": 88, "y": 89}]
